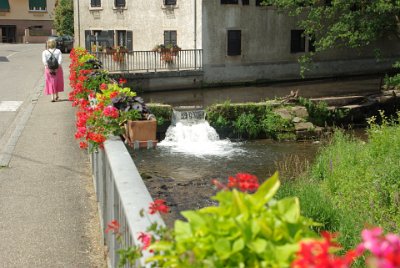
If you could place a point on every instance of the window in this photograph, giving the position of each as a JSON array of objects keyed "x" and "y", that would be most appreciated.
[
  {"x": 234, "y": 42},
  {"x": 39, "y": 5},
  {"x": 119, "y": 3},
  {"x": 170, "y": 38},
  {"x": 263, "y": 3},
  {"x": 297, "y": 41},
  {"x": 169, "y": 2},
  {"x": 4, "y": 6},
  {"x": 229, "y": 2},
  {"x": 245, "y": 2},
  {"x": 95, "y": 3}
]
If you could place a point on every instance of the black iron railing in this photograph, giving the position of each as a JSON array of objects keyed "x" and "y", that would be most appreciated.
[{"x": 151, "y": 61}]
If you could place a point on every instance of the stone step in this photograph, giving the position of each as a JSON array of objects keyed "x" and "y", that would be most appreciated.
[{"x": 340, "y": 100}]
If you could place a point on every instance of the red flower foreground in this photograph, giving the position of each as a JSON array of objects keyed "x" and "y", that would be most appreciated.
[
  {"x": 158, "y": 206},
  {"x": 112, "y": 226},
  {"x": 317, "y": 254},
  {"x": 243, "y": 181}
]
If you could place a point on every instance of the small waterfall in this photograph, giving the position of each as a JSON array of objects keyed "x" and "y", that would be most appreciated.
[{"x": 190, "y": 133}]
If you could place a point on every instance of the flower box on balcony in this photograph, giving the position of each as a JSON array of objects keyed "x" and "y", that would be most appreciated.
[{"x": 141, "y": 132}]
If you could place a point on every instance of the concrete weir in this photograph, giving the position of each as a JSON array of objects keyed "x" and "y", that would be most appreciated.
[{"x": 121, "y": 195}]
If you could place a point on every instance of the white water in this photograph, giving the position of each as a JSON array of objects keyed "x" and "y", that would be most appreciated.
[{"x": 196, "y": 137}]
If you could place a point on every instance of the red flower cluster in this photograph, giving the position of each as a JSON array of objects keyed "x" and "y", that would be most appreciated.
[
  {"x": 122, "y": 81},
  {"x": 158, "y": 206},
  {"x": 317, "y": 254},
  {"x": 111, "y": 111},
  {"x": 244, "y": 182}
]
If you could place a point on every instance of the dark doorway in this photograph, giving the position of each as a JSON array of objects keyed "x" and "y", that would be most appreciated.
[{"x": 9, "y": 33}]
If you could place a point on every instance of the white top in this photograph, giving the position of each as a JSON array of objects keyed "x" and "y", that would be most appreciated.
[{"x": 46, "y": 55}]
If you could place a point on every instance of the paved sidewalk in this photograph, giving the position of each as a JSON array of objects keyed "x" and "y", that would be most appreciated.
[{"x": 48, "y": 210}]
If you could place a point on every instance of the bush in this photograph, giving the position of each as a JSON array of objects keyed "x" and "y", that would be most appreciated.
[{"x": 247, "y": 125}]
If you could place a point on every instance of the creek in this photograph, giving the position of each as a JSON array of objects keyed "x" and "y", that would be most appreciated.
[{"x": 181, "y": 167}]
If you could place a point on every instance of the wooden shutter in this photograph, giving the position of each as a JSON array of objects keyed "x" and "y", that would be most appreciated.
[
  {"x": 87, "y": 40},
  {"x": 110, "y": 34},
  {"x": 234, "y": 42},
  {"x": 129, "y": 41},
  {"x": 4, "y": 6}
]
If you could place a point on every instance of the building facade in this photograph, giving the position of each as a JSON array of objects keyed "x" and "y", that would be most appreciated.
[
  {"x": 138, "y": 25},
  {"x": 241, "y": 40},
  {"x": 244, "y": 41},
  {"x": 18, "y": 15}
]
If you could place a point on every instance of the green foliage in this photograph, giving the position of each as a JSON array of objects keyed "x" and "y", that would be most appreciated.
[
  {"x": 355, "y": 181},
  {"x": 95, "y": 79},
  {"x": 318, "y": 113},
  {"x": 343, "y": 23},
  {"x": 393, "y": 81},
  {"x": 162, "y": 112},
  {"x": 274, "y": 125},
  {"x": 244, "y": 230},
  {"x": 64, "y": 17},
  {"x": 247, "y": 124}
]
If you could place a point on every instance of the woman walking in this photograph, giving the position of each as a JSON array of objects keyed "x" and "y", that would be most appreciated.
[{"x": 52, "y": 59}]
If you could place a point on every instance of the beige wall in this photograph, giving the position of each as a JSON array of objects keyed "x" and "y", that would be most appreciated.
[
  {"x": 146, "y": 19},
  {"x": 19, "y": 10}
]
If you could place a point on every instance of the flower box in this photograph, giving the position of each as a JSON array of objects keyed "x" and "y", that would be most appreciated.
[{"x": 142, "y": 132}]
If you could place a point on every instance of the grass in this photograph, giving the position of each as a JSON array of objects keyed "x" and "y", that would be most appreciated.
[{"x": 353, "y": 184}]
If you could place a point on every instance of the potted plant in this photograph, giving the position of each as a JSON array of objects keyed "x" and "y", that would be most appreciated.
[{"x": 119, "y": 54}]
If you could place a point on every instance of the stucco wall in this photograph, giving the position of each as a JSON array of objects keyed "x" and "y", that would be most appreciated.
[
  {"x": 146, "y": 19},
  {"x": 266, "y": 47},
  {"x": 19, "y": 10}
]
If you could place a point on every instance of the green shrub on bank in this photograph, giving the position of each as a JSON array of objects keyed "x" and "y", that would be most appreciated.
[
  {"x": 249, "y": 120},
  {"x": 162, "y": 112},
  {"x": 354, "y": 181}
]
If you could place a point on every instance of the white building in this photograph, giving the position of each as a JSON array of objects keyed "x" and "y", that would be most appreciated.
[
  {"x": 137, "y": 24},
  {"x": 241, "y": 40}
]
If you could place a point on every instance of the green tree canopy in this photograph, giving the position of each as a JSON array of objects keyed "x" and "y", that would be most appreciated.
[
  {"x": 344, "y": 23},
  {"x": 64, "y": 17}
]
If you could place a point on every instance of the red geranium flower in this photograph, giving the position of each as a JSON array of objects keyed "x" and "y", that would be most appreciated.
[
  {"x": 158, "y": 205},
  {"x": 112, "y": 226},
  {"x": 122, "y": 81},
  {"x": 145, "y": 239}
]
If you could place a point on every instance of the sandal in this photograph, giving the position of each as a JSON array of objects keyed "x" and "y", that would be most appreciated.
[
  {"x": 53, "y": 100},
  {"x": 56, "y": 98}
]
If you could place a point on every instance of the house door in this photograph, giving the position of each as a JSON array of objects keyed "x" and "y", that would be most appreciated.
[{"x": 8, "y": 33}]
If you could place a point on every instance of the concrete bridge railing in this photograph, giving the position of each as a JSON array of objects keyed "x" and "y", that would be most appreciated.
[{"x": 121, "y": 195}]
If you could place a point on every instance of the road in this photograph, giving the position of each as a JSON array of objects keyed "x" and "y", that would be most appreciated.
[{"x": 21, "y": 79}]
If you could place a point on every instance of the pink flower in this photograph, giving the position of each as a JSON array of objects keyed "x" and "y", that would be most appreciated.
[
  {"x": 158, "y": 206},
  {"x": 111, "y": 111},
  {"x": 385, "y": 249},
  {"x": 112, "y": 226},
  {"x": 145, "y": 239}
]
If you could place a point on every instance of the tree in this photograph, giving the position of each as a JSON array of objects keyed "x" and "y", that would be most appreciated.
[
  {"x": 64, "y": 17},
  {"x": 343, "y": 23}
]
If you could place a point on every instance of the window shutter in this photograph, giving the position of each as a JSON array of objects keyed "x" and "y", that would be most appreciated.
[
  {"x": 87, "y": 39},
  {"x": 129, "y": 39},
  {"x": 37, "y": 5},
  {"x": 110, "y": 34},
  {"x": 234, "y": 42},
  {"x": 173, "y": 40},
  {"x": 4, "y": 6}
]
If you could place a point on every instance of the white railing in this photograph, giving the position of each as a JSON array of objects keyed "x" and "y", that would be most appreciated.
[
  {"x": 121, "y": 195},
  {"x": 151, "y": 61}
]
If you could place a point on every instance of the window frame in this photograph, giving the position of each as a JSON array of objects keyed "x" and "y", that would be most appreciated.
[
  {"x": 229, "y": 2},
  {"x": 299, "y": 36},
  {"x": 32, "y": 8},
  {"x": 119, "y": 5},
  {"x": 169, "y": 2},
  {"x": 233, "y": 49},
  {"x": 98, "y": 4},
  {"x": 170, "y": 39}
]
